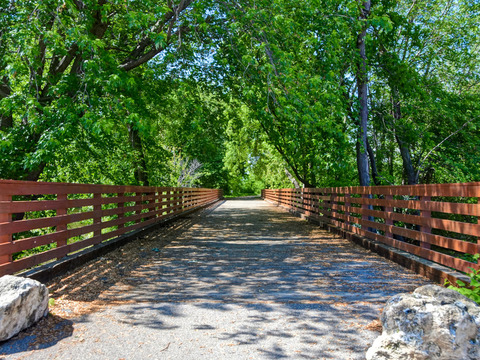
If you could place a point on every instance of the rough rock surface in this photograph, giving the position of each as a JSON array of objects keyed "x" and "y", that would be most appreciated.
[
  {"x": 22, "y": 303},
  {"x": 431, "y": 323}
]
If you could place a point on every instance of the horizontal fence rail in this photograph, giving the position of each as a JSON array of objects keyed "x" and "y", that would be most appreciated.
[
  {"x": 40, "y": 222},
  {"x": 437, "y": 222}
]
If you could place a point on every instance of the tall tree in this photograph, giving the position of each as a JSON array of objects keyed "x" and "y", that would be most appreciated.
[{"x": 362, "y": 87}]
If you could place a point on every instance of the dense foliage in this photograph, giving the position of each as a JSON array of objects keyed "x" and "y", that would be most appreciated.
[{"x": 240, "y": 95}]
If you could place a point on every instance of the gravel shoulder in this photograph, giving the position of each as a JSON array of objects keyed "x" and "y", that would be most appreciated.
[{"x": 242, "y": 279}]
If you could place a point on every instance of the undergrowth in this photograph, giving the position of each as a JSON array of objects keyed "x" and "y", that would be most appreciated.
[{"x": 472, "y": 290}]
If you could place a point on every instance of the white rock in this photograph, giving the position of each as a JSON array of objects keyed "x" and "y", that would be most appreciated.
[
  {"x": 22, "y": 303},
  {"x": 432, "y": 323}
]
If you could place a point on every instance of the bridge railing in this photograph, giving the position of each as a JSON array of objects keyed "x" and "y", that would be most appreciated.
[
  {"x": 40, "y": 221},
  {"x": 437, "y": 222}
]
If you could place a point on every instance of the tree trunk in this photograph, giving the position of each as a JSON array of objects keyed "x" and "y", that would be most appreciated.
[
  {"x": 373, "y": 164},
  {"x": 141, "y": 176},
  {"x": 408, "y": 169},
  {"x": 362, "y": 79},
  {"x": 6, "y": 122},
  {"x": 34, "y": 175},
  {"x": 294, "y": 181},
  {"x": 6, "y": 119}
]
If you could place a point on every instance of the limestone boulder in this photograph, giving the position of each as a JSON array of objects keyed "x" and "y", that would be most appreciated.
[
  {"x": 432, "y": 323},
  {"x": 22, "y": 303}
]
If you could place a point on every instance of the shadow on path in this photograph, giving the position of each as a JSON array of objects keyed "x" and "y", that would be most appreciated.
[{"x": 46, "y": 333}]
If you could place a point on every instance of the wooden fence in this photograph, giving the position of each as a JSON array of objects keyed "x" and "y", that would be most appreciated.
[
  {"x": 40, "y": 221},
  {"x": 436, "y": 222}
]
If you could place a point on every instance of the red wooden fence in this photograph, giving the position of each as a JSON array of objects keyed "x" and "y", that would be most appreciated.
[
  {"x": 64, "y": 218},
  {"x": 437, "y": 222}
]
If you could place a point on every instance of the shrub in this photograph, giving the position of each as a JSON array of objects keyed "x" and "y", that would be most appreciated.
[{"x": 471, "y": 290}]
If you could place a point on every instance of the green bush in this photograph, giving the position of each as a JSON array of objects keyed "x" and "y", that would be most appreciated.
[{"x": 471, "y": 290}]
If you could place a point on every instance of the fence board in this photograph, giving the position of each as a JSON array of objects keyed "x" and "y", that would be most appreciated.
[{"x": 5, "y": 237}]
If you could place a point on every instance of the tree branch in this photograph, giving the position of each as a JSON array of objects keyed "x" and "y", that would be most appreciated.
[
  {"x": 138, "y": 56},
  {"x": 422, "y": 162},
  {"x": 4, "y": 91},
  {"x": 99, "y": 27},
  {"x": 132, "y": 64},
  {"x": 66, "y": 60}
]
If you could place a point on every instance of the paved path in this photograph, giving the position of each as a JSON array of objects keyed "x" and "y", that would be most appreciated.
[{"x": 243, "y": 280}]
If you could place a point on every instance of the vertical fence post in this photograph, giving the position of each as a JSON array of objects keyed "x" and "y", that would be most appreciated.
[
  {"x": 146, "y": 204},
  {"x": 365, "y": 206},
  {"x": 182, "y": 201},
  {"x": 179, "y": 200},
  {"x": 425, "y": 229},
  {"x": 5, "y": 217},
  {"x": 294, "y": 195},
  {"x": 315, "y": 202},
  {"x": 478, "y": 238},
  {"x": 97, "y": 217},
  {"x": 388, "y": 209},
  {"x": 330, "y": 206},
  {"x": 333, "y": 205},
  {"x": 302, "y": 199},
  {"x": 294, "y": 199},
  {"x": 175, "y": 199},
  {"x": 150, "y": 207},
  {"x": 155, "y": 202},
  {"x": 171, "y": 199},
  {"x": 138, "y": 203},
  {"x": 320, "y": 203},
  {"x": 62, "y": 210},
  {"x": 171, "y": 194},
  {"x": 121, "y": 205},
  {"x": 156, "y": 198},
  {"x": 347, "y": 208},
  {"x": 163, "y": 201}
]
